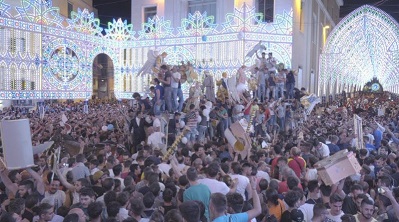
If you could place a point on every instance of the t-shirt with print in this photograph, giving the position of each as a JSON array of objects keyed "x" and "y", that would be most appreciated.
[{"x": 331, "y": 218}]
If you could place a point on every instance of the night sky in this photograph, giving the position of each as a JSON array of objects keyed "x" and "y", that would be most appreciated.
[
  {"x": 109, "y": 9},
  {"x": 113, "y": 9}
]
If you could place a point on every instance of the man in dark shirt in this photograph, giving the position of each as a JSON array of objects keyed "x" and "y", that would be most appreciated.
[{"x": 349, "y": 205}]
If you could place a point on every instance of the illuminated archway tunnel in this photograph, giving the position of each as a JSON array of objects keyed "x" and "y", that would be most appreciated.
[{"x": 362, "y": 46}]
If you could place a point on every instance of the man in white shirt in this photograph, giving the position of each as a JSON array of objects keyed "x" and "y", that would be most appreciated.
[
  {"x": 262, "y": 168},
  {"x": 335, "y": 213},
  {"x": 155, "y": 138},
  {"x": 320, "y": 149},
  {"x": 214, "y": 185},
  {"x": 54, "y": 195},
  {"x": 243, "y": 181}
]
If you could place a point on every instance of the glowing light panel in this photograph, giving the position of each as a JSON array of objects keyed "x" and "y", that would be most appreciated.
[{"x": 362, "y": 46}]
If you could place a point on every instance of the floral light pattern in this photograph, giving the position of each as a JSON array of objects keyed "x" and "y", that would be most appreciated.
[
  {"x": 197, "y": 24},
  {"x": 40, "y": 11},
  {"x": 244, "y": 20},
  {"x": 85, "y": 22},
  {"x": 120, "y": 31},
  {"x": 156, "y": 28}
]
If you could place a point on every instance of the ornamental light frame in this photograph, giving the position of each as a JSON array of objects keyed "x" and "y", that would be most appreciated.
[{"x": 46, "y": 56}]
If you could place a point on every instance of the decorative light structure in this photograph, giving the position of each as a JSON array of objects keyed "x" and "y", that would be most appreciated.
[
  {"x": 44, "y": 56},
  {"x": 362, "y": 46}
]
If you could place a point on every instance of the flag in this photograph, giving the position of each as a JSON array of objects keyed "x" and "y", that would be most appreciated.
[{"x": 309, "y": 102}]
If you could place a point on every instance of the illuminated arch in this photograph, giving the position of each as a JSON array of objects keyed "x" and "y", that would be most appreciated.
[{"x": 362, "y": 46}]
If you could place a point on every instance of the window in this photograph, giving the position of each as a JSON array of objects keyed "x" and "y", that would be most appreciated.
[
  {"x": 267, "y": 8},
  {"x": 149, "y": 12},
  {"x": 208, "y": 6},
  {"x": 70, "y": 9}
]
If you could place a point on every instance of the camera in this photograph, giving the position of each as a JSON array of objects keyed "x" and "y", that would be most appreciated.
[{"x": 380, "y": 190}]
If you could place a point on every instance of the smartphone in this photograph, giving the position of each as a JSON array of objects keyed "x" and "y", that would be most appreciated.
[{"x": 380, "y": 190}]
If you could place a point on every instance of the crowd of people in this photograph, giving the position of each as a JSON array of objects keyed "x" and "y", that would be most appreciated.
[{"x": 115, "y": 164}]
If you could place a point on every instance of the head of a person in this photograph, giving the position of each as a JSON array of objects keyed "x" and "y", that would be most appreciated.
[
  {"x": 17, "y": 206},
  {"x": 25, "y": 188},
  {"x": 10, "y": 217},
  {"x": 380, "y": 160},
  {"x": 320, "y": 211},
  {"x": 86, "y": 196},
  {"x": 335, "y": 204},
  {"x": 113, "y": 209},
  {"x": 313, "y": 187},
  {"x": 295, "y": 151},
  {"x": 45, "y": 212},
  {"x": 235, "y": 203},
  {"x": 173, "y": 215},
  {"x": 80, "y": 158},
  {"x": 192, "y": 174},
  {"x": 73, "y": 217},
  {"x": 282, "y": 162},
  {"x": 292, "y": 182},
  {"x": 217, "y": 204},
  {"x": 190, "y": 211},
  {"x": 367, "y": 208},
  {"x": 136, "y": 207},
  {"x": 81, "y": 215},
  {"x": 272, "y": 196},
  {"x": 292, "y": 198},
  {"x": 359, "y": 199},
  {"x": 384, "y": 181},
  {"x": 95, "y": 209},
  {"x": 356, "y": 189},
  {"x": 348, "y": 218}
]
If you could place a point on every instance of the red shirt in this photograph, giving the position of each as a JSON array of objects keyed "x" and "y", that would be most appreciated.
[
  {"x": 248, "y": 110},
  {"x": 274, "y": 164},
  {"x": 297, "y": 164},
  {"x": 283, "y": 187}
]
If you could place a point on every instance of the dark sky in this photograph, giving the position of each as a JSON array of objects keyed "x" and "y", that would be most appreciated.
[
  {"x": 389, "y": 6},
  {"x": 110, "y": 9}
]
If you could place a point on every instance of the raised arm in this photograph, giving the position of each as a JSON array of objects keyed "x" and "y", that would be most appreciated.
[
  {"x": 256, "y": 202},
  {"x": 40, "y": 186},
  {"x": 63, "y": 181},
  {"x": 7, "y": 182}
]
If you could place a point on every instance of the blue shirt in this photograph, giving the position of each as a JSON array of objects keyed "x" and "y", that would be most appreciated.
[
  {"x": 377, "y": 138},
  {"x": 333, "y": 148},
  {"x": 240, "y": 217},
  {"x": 161, "y": 92}
]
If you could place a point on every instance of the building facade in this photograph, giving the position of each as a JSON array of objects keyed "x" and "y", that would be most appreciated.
[
  {"x": 45, "y": 55},
  {"x": 312, "y": 21}
]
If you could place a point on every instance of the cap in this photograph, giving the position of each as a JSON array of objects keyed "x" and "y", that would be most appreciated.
[
  {"x": 97, "y": 175},
  {"x": 297, "y": 215}
]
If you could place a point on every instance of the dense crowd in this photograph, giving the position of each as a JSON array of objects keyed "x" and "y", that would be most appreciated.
[{"x": 114, "y": 167}]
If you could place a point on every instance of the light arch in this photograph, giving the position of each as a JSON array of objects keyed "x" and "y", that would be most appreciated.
[{"x": 365, "y": 44}]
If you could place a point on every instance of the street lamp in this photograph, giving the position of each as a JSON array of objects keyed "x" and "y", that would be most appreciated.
[{"x": 325, "y": 34}]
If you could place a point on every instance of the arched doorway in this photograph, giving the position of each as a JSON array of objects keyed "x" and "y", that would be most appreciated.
[{"x": 103, "y": 77}]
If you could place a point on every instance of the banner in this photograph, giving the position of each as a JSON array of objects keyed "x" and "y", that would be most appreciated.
[
  {"x": 358, "y": 127},
  {"x": 309, "y": 102}
]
